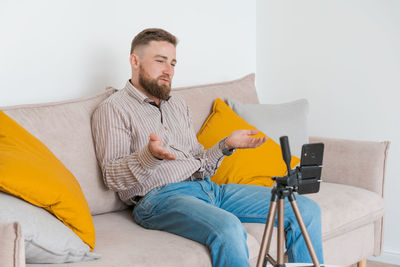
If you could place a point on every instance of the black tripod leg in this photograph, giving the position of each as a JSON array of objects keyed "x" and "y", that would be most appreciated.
[
  {"x": 303, "y": 228},
  {"x": 266, "y": 240}
]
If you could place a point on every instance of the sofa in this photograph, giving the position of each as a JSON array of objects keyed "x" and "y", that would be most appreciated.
[{"x": 351, "y": 195}]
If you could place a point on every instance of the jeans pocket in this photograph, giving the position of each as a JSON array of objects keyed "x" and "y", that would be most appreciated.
[
  {"x": 153, "y": 193},
  {"x": 144, "y": 209},
  {"x": 142, "y": 212}
]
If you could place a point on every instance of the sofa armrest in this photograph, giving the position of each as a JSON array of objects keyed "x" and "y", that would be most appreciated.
[
  {"x": 12, "y": 248},
  {"x": 357, "y": 163}
]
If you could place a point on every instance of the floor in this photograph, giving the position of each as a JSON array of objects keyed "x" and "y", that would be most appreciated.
[{"x": 379, "y": 264}]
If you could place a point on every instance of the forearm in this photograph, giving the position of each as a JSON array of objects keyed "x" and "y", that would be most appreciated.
[
  {"x": 124, "y": 173},
  {"x": 210, "y": 159}
]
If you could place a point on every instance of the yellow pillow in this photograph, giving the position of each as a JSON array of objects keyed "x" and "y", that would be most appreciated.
[
  {"x": 29, "y": 170},
  {"x": 253, "y": 166}
]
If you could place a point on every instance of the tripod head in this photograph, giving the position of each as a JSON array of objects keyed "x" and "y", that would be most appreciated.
[{"x": 306, "y": 178}]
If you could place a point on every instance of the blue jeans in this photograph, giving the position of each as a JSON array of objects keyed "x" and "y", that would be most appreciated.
[{"x": 212, "y": 214}]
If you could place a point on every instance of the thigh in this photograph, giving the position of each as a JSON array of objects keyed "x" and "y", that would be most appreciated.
[
  {"x": 184, "y": 215},
  {"x": 250, "y": 203}
]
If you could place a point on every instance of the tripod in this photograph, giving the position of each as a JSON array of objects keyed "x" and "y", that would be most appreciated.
[{"x": 281, "y": 190}]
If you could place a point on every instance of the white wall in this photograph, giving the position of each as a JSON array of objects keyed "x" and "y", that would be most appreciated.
[
  {"x": 55, "y": 50},
  {"x": 344, "y": 57}
]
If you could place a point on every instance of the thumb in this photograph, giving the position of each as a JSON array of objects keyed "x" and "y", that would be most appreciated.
[
  {"x": 154, "y": 137},
  {"x": 252, "y": 132}
]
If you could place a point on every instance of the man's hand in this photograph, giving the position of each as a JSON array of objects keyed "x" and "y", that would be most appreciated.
[
  {"x": 241, "y": 139},
  {"x": 157, "y": 150}
]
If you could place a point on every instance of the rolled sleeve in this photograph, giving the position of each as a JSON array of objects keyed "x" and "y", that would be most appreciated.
[{"x": 147, "y": 160}]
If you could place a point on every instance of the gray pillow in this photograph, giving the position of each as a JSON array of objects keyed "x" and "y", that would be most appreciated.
[
  {"x": 47, "y": 239},
  {"x": 276, "y": 120}
]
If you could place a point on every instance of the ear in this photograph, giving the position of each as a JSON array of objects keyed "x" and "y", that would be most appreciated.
[{"x": 134, "y": 60}]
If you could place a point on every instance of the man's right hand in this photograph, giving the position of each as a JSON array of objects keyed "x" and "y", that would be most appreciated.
[{"x": 157, "y": 150}]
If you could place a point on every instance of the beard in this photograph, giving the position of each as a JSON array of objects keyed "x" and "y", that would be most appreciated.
[{"x": 152, "y": 87}]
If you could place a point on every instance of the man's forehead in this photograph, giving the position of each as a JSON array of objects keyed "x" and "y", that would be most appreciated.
[{"x": 154, "y": 48}]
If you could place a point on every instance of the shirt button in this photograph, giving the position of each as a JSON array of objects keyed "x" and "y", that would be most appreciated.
[{"x": 165, "y": 128}]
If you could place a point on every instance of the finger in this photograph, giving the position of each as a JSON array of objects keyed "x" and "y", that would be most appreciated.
[
  {"x": 263, "y": 140},
  {"x": 154, "y": 137},
  {"x": 167, "y": 156},
  {"x": 251, "y": 143},
  {"x": 256, "y": 142},
  {"x": 252, "y": 132},
  {"x": 259, "y": 142},
  {"x": 170, "y": 156}
]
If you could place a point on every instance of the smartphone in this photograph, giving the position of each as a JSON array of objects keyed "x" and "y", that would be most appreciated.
[
  {"x": 312, "y": 154},
  {"x": 310, "y": 168}
]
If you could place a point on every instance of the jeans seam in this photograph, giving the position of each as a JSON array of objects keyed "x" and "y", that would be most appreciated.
[
  {"x": 292, "y": 251},
  {"x": 212, "y": 200},
  {"x": 250, "y": 216}
]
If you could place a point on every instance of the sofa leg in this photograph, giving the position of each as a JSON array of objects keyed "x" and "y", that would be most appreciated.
[{"x": 362, "y": 263}]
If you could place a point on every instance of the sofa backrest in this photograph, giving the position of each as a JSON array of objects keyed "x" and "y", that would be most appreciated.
[
  {"x": 201, "y": 98},
  {"x": 64, "y": 127}
]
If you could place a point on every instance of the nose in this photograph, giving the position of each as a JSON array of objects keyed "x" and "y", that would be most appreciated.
[{"x": 169, "y": 70}]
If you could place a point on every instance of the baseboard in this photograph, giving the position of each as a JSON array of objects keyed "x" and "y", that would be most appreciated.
[{"x": 391, "y": 257}]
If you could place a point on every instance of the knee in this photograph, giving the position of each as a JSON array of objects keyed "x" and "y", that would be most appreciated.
[
  {"x": 230, "y": 227},
  {"x": 310, "y": 210}
]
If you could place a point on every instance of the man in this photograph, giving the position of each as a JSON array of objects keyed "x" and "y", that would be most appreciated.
[{"x": 148, "y": 152}]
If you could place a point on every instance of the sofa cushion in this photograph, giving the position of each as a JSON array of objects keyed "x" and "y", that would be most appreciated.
[
  {"x": 346, "y": 211},
  {"x": 64, "y": 127},
  {"x": 200, "y": 98},
  {"x": 47, "y": 240},
  {"x": 121, "y": 241},
  {"x": 344, "y": 208}
]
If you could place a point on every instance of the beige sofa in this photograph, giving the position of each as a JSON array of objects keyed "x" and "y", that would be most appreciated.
[{"x": 351, "y": 196}]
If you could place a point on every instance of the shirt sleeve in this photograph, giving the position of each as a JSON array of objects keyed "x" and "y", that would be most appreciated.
[
  {"x": 211, "y": 158},
  {"x": 122, "y": 169}
]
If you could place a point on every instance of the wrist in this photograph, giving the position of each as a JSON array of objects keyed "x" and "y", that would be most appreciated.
[
  {"x": 147, "y": 159},
  {"x": 228, "y": 145},
  {"x": 226, "y": 148}
]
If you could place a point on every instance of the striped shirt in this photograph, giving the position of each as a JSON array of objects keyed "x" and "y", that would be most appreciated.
[{"x": 121, "y": 126}]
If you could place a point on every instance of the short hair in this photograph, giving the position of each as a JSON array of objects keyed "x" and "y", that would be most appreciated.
[{"x": 152, "y": 34}]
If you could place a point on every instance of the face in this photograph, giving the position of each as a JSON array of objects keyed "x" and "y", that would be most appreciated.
[{"x": 155, "y": 68}]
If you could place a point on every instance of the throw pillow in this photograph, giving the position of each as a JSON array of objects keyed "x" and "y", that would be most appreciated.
[
  {"x": 246, "y": 166},
  {"x": 277, "y": 120},
  {"x": 47, "y": 239},
  {"x": 29, "y": 170}
]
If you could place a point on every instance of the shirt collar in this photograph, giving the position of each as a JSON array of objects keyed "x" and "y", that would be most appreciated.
[{"x": 138, "y": 95}]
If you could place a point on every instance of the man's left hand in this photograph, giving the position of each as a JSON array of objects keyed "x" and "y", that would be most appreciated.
[{"x": 242, "y": 139}]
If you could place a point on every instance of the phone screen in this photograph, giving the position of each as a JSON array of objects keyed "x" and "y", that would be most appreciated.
[{"x": 311, "y": 154}]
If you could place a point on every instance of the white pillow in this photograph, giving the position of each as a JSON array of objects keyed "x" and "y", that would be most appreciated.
[
  {"x": 47, "y": 239},
  {"x": 276, "y": 120}
]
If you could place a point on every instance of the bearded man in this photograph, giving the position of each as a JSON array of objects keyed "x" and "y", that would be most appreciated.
[{"x": 148, "y": 152}]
